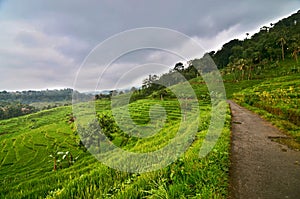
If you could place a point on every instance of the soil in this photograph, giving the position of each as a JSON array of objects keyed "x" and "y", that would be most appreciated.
[{"x": 260, "y": 167}]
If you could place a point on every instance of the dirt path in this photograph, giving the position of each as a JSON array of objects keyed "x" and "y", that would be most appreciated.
[{"x": 260, "y": 168}]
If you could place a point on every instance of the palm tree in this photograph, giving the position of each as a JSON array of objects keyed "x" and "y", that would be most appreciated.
[
  {"x": 265, "y": 28},
  {"x": 295, "y": 47},
  {"x": 295, "y": 54},
  {"x": 282, "y": 43},
  {"x": 241, "y": 66},
  {"x": 247, "y": 35}
]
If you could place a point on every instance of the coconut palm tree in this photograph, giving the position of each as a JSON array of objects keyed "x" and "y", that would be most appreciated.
[
  {"x": 282, "y": 43},
  {"x": 247, "y": 35},
  {"x": 295, "y": 54},
  {"x": 296, "y": 48}
]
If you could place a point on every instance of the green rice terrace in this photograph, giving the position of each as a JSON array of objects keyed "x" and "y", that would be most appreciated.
[
  {"x": 41, "y": 155},
  {"x": 30, "y": 142},
  {"x": 48, "y": 153}
]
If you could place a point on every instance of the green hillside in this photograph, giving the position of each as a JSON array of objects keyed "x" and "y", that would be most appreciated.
[
  {"x": 42, "y": 155},
  {"x": 277, "y": 100},
  {"x": 27, "y": 168},
  {"x": 279, "y": 41}
]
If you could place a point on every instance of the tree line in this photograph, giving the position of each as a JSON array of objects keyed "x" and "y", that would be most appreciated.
[
  {"x": 32, "y": 96},
  {"x": 15, "y": 109},
  {"x": 13, "y": 104},
  {"x": 242, "y": 58},
  {"x": 270, "y": 45}
]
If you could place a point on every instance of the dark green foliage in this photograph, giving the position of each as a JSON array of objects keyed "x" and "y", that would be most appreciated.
[
  {"x": 271, "y": 44},
  {"x": 14, "y": 109},
  {"x": 31, "y": 96},
  {"x": 13, "y": 104},
  {"x": 222, "y": 56},
  {"x": 248, "y": 59}
]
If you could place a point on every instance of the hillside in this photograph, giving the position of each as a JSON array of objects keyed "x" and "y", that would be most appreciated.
[
  {"x": 273, "y": 43},
  {"x": 27, "y": 168},
  {"x": 31, "y": 96},
  {"x": 42, "y": 155},
  {"x": 18, "y": 103}
]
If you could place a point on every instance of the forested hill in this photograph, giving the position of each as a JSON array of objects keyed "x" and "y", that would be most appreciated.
[
  {"x": 31, "y": 96},
  {"x": 272, "y": 43},
  {"x": 271, "y": 52},
  {"x": 13, "y": 104}
]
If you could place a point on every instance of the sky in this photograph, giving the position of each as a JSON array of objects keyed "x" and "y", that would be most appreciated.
[{"x": 48, "y": 44}]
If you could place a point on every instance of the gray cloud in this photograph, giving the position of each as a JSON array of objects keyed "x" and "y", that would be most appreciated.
[{"x": 42, "y": 43}]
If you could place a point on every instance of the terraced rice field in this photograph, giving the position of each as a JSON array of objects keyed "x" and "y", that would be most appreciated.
[{"x": 26, "y": 170}]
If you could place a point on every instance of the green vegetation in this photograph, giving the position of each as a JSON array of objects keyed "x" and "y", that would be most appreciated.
[
  {"x": 13, "y": 104},
  {"x": 267, "y": 80},
  {"x": 31, "y": 96},
  {"x": 278, "y": 42},
  {"x": 277, "y": 100},
  {"x": 14, "y": 109},
  {"x": 42, "y": 155},
  {"x": 31, "y": 142},
  {"x": 262, "y": 74}
]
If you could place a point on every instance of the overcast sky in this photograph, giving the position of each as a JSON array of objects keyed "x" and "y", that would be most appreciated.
[{"x": 43, "y": 43}]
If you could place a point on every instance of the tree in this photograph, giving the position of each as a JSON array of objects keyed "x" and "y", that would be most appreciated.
[
  {"x": 154, "y": 78},
  {"x": 237, "y": 51},
  {"x": 179, "y": 67},
  {"x": 133, "y": 89},
  {"x": 295, "y": 46},
  {"x": 113, "y": 93},
  {"x": 163, "y": 93},
  {"x": 295, "y": 54},
  {"x": 221, "y": 57},
  {"x": 265, "y": 29},
  {"x": 247, "y": 35},
  {"x": 97, "y": 97},
  {"x": 282, "y": 42}
]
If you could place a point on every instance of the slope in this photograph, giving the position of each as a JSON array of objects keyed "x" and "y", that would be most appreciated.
[{"x": 26, "y": 167}]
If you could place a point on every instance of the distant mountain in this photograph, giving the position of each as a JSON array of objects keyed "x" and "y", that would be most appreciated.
[{"x": 105, "y": 92}]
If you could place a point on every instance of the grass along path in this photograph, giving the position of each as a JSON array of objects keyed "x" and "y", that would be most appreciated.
[{"x": 277, "y": 100}]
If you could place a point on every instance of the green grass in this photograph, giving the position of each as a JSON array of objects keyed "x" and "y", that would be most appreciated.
[
  {"x": 277, "y": 100},
  {"x": 261, "y": 74},
  {"x": 263, "y": 71},
  {"x": 26, "y": 171}
]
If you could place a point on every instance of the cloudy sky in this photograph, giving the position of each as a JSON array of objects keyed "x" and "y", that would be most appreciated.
[{"x": 44, "y": 43}]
